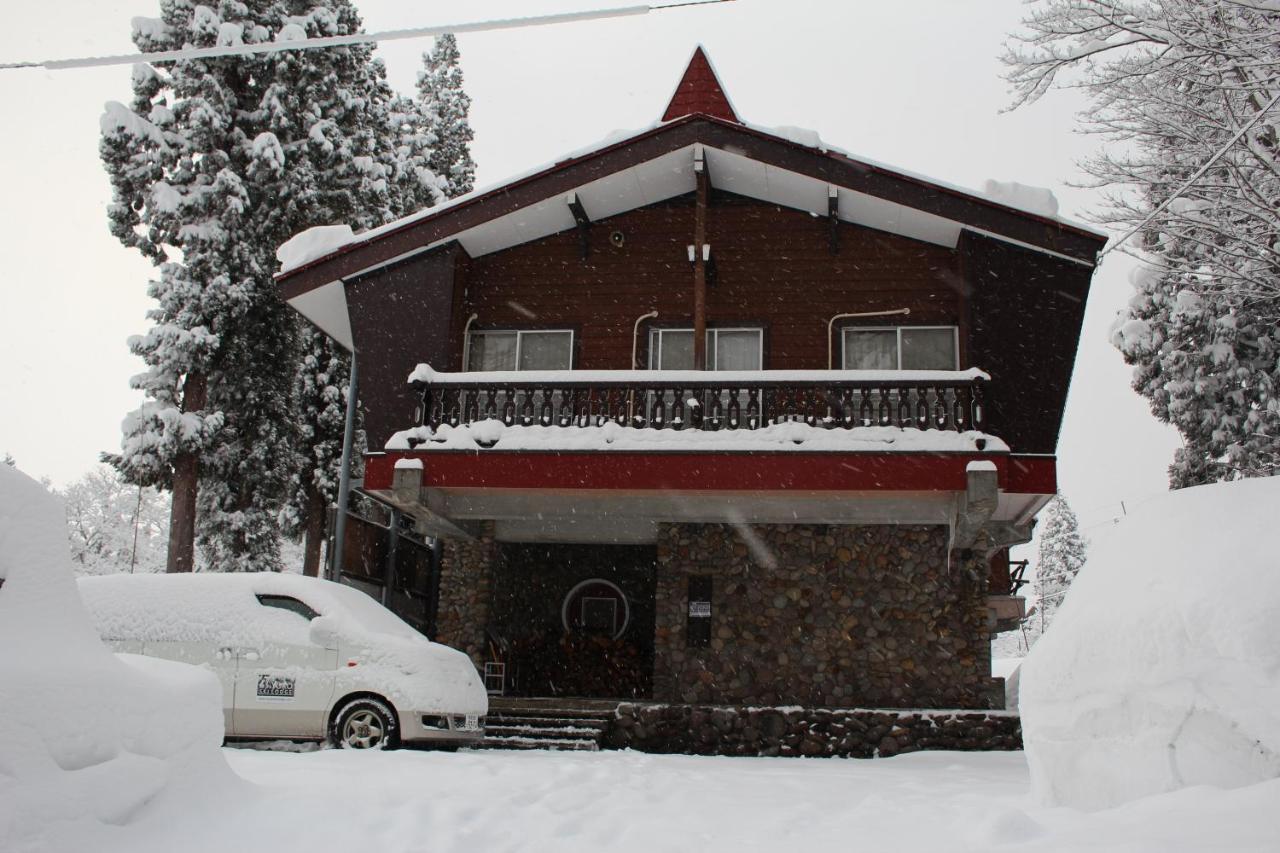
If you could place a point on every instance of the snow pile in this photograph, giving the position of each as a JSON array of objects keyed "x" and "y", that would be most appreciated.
[
  {"x": 1031, "y": 199},
  {"x": 493, "y": 434},
  {"x": 307, "y": 246},
  {"x": 86, "y": 739},
  {"x": 1162, "y": 669}
]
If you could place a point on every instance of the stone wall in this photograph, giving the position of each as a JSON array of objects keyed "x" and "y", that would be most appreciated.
[
  {"x": 853, "y": 733},
  {"x": 466, "y": 577},
  {"x": 816, "y": 615}
]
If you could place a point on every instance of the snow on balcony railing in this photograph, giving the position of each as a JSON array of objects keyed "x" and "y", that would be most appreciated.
[{"x": 705, "y": 401}]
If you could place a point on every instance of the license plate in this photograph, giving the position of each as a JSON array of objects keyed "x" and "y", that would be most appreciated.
[{"x": 473, "y": 722}]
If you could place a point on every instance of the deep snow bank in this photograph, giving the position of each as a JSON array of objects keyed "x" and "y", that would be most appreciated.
[
  {"x": 86, "y": 739},
  {"x": 1162, "y": 669}
]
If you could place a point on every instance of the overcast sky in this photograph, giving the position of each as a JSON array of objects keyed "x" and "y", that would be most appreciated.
[{"x": 912, "y": 84}]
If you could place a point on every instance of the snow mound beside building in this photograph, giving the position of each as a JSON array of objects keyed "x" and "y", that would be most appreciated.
[
  {"x": 1162, "y": 670},
  {"x": 87, "y": 739}
]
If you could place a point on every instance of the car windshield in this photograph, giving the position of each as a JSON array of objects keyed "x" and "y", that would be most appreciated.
[{"x": 369, "y": 614}]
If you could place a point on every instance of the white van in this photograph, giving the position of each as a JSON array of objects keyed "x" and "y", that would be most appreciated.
[{"x": 298, "y": 657}]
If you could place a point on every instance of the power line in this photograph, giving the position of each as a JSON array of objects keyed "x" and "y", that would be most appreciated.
[{"x": 355, "y": 38}]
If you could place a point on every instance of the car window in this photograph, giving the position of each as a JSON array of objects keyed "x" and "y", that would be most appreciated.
[{"x": 287, "y": 602}]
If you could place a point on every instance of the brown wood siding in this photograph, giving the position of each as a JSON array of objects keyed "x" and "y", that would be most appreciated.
[
  {"x": 772, "y": 268},
  {"x": 1027, "y": 309},
  {"x": 400, "y": 316}
]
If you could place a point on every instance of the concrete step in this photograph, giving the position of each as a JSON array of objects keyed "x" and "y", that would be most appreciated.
[
  {"x": 584, "y": 723},
  {"x": 543, "y": 732},
  {"x": 523, "y": 742}
]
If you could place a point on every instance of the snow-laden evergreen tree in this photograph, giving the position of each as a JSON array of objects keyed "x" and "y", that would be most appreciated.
[
  {"x": 445, "y": 102},
  {"x": 1172, "y": 83},
  {"x": 393, "y": 177},
  {"x": 1060, "y": 558},
  {"x": 222, "y": 160}
]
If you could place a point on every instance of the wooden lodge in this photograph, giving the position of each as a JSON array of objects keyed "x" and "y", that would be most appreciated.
[{"x": 715, "y": 413}]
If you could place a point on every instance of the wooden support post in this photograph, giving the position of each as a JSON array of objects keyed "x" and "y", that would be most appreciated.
[
  {"x": 389, "y": 570},
  {"x": 584, "y": 222},
  {"x": 703, "y": 181},
  {"x": 833, "y": 218}
]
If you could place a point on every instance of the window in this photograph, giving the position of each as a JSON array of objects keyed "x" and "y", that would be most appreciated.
[
  {"x": 727, "y": 349},
  {"x": 901, "y": 348},
  {"x": 285, "y": 602},
  {"x": 520, "y": 350}
]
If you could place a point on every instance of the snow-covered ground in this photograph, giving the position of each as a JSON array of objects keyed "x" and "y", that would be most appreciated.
[{"x": 496, "y": 801}]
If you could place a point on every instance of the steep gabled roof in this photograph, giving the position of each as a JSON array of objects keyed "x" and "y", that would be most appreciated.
[
  {"x": 700, "y": 91},
  {"x": 783, "y": 166}
]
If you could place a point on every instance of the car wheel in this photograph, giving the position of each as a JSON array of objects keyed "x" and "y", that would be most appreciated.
[{"x": 366, "y": 724}]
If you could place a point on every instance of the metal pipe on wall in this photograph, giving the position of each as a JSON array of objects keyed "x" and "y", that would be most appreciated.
[
  {"x": 344, "y": 476},
  {"x": 831, "y": 323}
]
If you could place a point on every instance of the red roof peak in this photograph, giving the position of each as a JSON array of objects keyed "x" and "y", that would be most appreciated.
[{"x": 699, "y": 91}]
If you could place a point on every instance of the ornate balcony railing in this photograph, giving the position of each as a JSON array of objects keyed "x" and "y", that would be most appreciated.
[{"x": 704, "y": 400}]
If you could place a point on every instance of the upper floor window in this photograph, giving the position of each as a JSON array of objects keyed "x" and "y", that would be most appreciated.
[
  {"x": 901, "y": 348},
  {"x": 520, "y": 350},
  {"x": 727, "y": 349}
]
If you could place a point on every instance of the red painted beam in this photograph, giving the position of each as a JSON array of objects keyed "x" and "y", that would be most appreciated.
[{"x": 788, "y": 471}]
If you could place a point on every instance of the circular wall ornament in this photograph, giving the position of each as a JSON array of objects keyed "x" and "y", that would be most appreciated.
[{"x": 596, "y": 606}]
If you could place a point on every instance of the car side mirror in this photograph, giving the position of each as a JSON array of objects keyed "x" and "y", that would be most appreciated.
[{"x": 324, "y": 632}]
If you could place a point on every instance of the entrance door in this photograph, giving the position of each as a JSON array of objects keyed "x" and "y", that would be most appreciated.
[{"x": 575, "y": 620}]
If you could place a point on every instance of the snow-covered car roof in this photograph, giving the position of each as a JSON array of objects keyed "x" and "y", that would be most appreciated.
[{"x": 215, "y": 606}]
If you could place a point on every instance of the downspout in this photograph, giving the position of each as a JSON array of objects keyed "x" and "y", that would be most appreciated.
[
  {"x": 635, "y": 341},
  {"x": 831, "y": 324},
  {"x": 635, "y": 335},
  {"x": 344, "y": 474}
]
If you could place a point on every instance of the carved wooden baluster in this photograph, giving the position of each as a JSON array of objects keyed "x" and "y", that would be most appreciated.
[
  {"x": 471, "y": 406},
  {"x": 904, "y": 408},
  {"x": 979, "y": 415},
  {"x": 678, "y": 415},
  {"x": 526, "y": 407},
  {"x": 865, "y": 409},
  {"x": 940, "y": 408},
  {"x": 883, "y": 412},
  {"x": 713, "y": 399},
  {"x": 733, "y": 414},
  {"x": 563, "y": 416},
  {"x": 922, "y": 407},
  {"x": 848, "y": 415},
  {"x": 754, "y": 418},
  {"x": 658, "y": 420},
  {"x": 509, "y": 405}
]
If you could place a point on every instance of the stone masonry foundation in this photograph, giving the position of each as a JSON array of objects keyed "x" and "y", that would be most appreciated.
[
  {"x": 816, "y": 615},
  {"x": 812, "y": 732},
  {"x": 466, "y": 577}
]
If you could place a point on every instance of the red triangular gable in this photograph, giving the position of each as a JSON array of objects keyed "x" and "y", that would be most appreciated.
[{"x": 699, "y": 91}]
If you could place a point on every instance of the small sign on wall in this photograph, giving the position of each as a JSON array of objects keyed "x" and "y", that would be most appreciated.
[{"x": 698, "y": 629}]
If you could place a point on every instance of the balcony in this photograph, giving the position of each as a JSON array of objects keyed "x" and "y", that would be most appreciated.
[{"x": 704, "y": 401}]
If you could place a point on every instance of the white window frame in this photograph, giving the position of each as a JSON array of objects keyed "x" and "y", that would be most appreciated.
[
  {"x": 844, "y": 341},
  {"x": 519, "y": 333},
  {"x": 712, "y": 333}
]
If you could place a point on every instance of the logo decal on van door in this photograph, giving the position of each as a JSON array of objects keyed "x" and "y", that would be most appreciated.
[{"x": 278, "y": 688}]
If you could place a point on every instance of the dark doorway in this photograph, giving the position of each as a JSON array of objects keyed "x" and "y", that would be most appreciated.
[{"x": 575, "y": 620}]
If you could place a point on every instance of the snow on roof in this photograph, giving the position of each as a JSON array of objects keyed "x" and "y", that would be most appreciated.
[
  {"x": 1022, "y": 202},
  {"x": 223, "y": 607}
]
